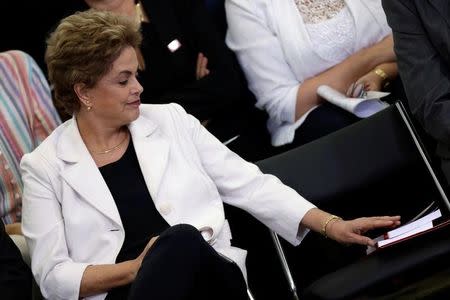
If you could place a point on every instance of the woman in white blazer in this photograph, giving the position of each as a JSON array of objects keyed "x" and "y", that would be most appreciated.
[
  {"x": 126, "y": 200},
  {"x": 287, "y": 48}
]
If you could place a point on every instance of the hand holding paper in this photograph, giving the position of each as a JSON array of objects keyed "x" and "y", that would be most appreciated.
[{"x": 364, "y": 106}]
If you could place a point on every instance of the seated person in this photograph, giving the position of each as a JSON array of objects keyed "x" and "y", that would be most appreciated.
[
  {"x": 422, "y": 46},
  {"x": 288, "y": 48},
  {"x": 27, "y": 117},
  {"x": 15, "y": 276},
  {"x": 183, "y": 59},
  {"x": 125, "y": 200}
]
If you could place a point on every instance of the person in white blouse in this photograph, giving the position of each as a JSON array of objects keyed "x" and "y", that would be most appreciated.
[
  {"x": 125, "y": 200},
  {"x": 287, "y": 48}
]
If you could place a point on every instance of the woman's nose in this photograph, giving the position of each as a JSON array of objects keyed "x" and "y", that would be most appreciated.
[{"x": 138, "y": 89}]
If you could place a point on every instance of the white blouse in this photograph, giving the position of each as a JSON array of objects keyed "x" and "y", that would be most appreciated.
[
  {"x": 278, "y": 50},
  {"x": 316, "y": 11},
  {"x": 334, "y": 38}
]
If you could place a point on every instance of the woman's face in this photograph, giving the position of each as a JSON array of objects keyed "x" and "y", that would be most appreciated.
[{"x": 116, "y": 96}]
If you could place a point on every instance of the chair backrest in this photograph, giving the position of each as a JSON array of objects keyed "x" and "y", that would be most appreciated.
[{"x": 377, "y": 165}]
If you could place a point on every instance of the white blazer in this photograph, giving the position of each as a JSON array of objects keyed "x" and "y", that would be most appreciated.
[
  {"x": 274, "y": 49},
  {"x": 70, "y": 219}
]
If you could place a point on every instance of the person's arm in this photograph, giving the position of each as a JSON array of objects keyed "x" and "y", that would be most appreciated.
[
  {"x": 343, "y": 74},
  {"x": 58, "y": 276},
  {"x": 375, "y": 80},
  {"x": 268, "y": 73},
  {"x": 424, "y": 72},
  {"x": 276, "y": 205},
  {"x": 98, "y": 279}
]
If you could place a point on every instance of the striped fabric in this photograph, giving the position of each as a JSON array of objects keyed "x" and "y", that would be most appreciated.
[{"x": 27, "y": 117}]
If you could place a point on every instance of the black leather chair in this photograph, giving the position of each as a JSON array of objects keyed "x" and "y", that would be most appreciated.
[{"x": 376, "y": 166}]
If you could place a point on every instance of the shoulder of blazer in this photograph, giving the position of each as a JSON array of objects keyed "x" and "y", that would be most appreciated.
[
  {"x": 43, "y": 158},
  {"x": 155, "y": 110},
  {"x": 163, "y": 114}
]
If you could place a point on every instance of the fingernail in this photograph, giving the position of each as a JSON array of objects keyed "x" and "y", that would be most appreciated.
[
  {"x": 350, "y": 89},
  {"x": 357, "y": 92}
]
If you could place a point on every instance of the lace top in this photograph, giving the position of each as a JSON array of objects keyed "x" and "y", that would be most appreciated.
[
  {"x": 334, "y": 39},
  {"x": 316, "y": 11}
]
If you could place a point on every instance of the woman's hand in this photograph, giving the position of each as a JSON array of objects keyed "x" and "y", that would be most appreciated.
[
  {"x": 202, "y": 66},
  {"x": 369, "y": 82},
  {"x": 373, "y": 81},
  {"x": 351, "y": 232}
]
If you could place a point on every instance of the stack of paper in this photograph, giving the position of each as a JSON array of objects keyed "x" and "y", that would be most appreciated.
[{"x": 406, "y": 231}]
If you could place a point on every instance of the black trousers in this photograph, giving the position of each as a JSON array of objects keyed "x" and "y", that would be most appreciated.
[{"x": 182, "y": 266}]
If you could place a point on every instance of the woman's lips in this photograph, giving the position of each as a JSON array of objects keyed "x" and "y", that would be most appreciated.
[{"x": 135, "y": 103}]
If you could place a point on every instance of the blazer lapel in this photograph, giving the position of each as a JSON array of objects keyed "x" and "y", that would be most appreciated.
[
  {"x": 83, "y": 175},
  {"x": 152, "y": 150},
  {"x": 435, "y": 14}
]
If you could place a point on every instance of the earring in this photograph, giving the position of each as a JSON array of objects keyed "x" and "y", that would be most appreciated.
[{"x": 88, "y": 105}]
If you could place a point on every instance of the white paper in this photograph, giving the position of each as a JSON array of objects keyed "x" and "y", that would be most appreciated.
[
  {"x": 414, "y": 231},
  {"x": 413, "y": 225},
  {"x": 381, "y": 241},
  {"x": 361, "y": 107}
]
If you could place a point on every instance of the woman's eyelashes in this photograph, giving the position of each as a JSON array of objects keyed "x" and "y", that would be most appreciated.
[{"x": 124, "y": 82}]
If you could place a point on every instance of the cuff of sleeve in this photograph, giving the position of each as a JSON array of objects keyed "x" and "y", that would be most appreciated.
[
  {"x": 302, "y": 230},
  {"x": 299, "y": 231},
  {"x": 287, "y": 112},
  {"x": 68, "y": 281}
]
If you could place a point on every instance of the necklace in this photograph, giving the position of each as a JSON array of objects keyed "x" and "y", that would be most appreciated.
[{"x": 111, "y": 149}]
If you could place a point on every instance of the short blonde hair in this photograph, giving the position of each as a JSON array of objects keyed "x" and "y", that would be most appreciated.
[{"x": 83, "y": 48}]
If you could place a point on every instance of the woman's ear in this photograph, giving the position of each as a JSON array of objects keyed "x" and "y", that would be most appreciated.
[{"x": 82, "y": 93}]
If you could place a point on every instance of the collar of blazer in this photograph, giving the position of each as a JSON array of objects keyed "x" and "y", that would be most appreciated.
[{"x": 82, "y": 174}]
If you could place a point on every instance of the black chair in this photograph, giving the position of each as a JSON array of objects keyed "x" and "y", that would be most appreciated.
[{"x": 376, "y": 166}]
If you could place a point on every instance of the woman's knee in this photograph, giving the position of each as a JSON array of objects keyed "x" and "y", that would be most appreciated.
[
  {"x": 182, "y": 233},
  {"x": 181, "y": 239}
]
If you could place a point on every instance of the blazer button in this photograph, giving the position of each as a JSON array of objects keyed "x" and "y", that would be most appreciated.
[{"x": 165, "y": 208}]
